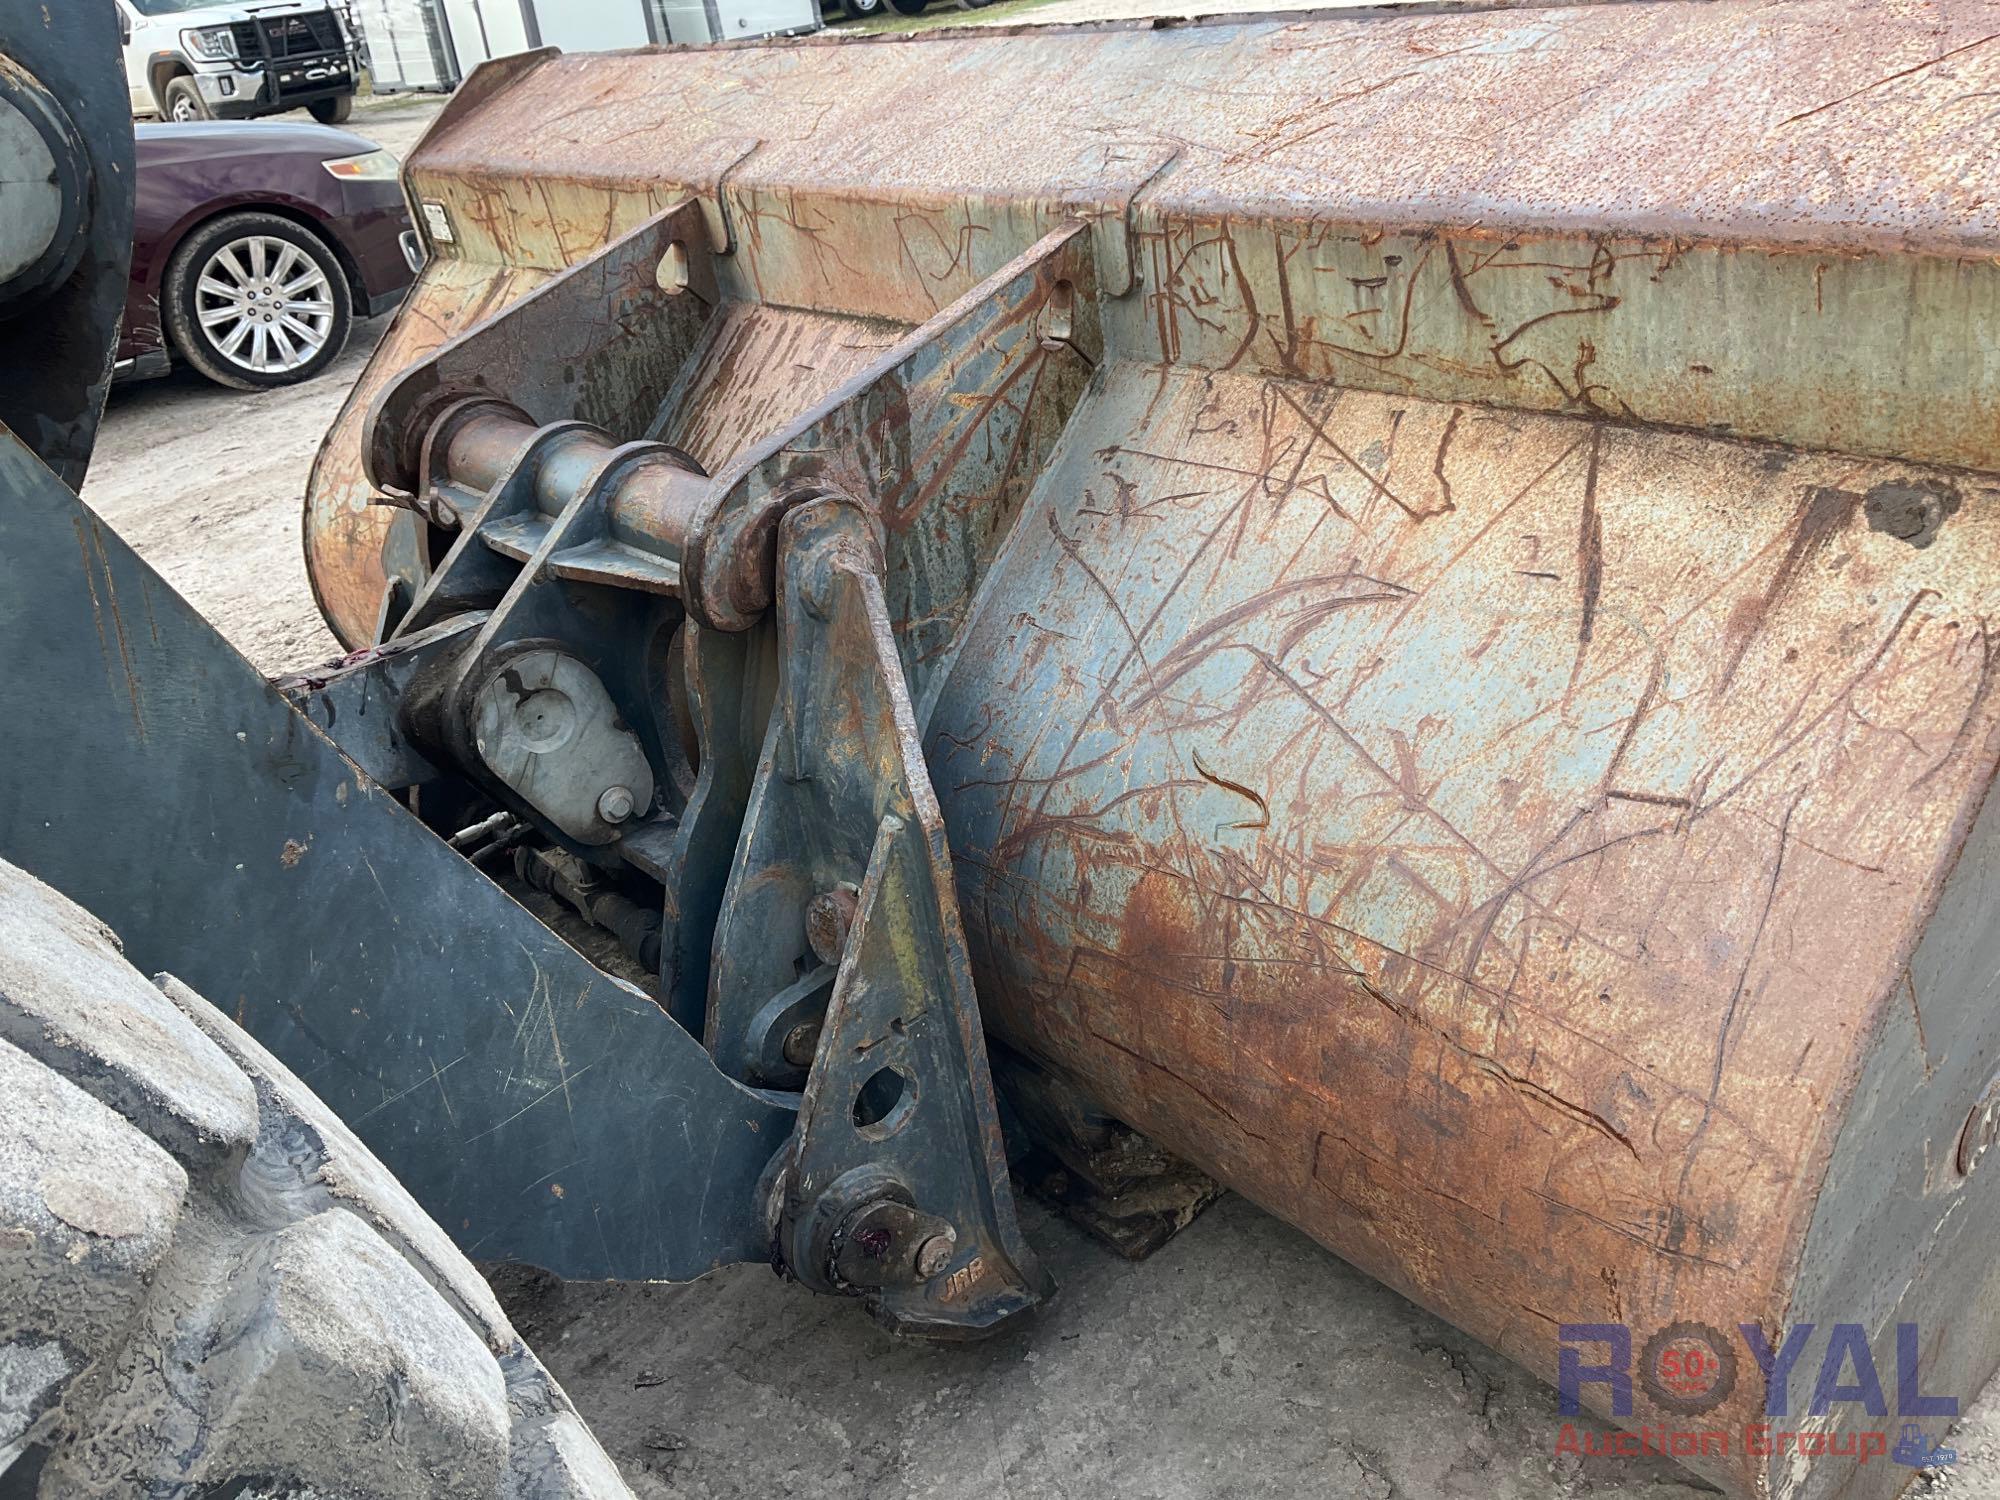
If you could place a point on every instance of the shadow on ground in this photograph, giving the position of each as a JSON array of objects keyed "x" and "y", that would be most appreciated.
[{"x": 1241, "y": 1361}]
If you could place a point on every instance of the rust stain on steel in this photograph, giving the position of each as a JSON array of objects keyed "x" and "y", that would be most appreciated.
[
  {"x": 598, "y": 341},
  {"x": 1410, "y": 755},
  {"x": 1644, "y": 220},
  {"x": 758, "y": 366},
  {"x": 1538, "y": 994},
  {"x": 353, "y": 547},
  {"x": 1562, "y": 128},
  {"x": 946, "y": 431}
]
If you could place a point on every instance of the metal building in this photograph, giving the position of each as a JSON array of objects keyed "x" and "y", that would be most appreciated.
[{"x": 434, "y": 44}]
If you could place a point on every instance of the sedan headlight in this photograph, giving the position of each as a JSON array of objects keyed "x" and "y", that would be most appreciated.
[
  {"x": 374, "y": 166},
  {"x": 210, "y": 43}
]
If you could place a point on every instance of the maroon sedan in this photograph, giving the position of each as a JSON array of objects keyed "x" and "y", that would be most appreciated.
[{"x": 256, "y": 245}]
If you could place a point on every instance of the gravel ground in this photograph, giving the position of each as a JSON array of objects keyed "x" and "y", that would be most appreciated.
[{"x": 1240, "y": 1361}]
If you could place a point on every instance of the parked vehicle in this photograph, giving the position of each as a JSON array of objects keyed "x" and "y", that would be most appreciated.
[
  {"x": 684, "y": 22},
  {"x": 193, "y": 60},
  {"x": 860, "y": 9},
  {"x": 434, "y": 43},
  {"x": 255, "y": 246}
]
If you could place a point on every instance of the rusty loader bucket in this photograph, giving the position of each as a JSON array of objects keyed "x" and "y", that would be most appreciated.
[{"x": 1405, "y": 598}]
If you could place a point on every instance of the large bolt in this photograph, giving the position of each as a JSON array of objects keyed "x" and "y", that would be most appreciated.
[
  {"x": 801, "y": 1042},
  {"x": 934, "y": 1254},
  {"x": 614, "y": 805},
  {"x": 829, "y": 915}
]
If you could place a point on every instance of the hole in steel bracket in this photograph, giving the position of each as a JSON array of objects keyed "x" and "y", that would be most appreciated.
[
  {"x": 884, "y": 1104},
  {"x": 1059, "y": 316},
  {"x": 673, "y": 272}
]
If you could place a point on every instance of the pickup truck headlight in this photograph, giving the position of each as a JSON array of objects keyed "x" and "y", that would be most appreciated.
[
  {"x": 374, "y": 166},
  {"x": 210, "y": 43}
]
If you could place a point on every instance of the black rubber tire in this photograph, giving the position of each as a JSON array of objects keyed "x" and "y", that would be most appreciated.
[
  {"x": 178, "y": 293},
  {"x": 208, "y": 1286},
  {"x": 182, "y": 95},
  {"x": 333, "y": 111},
  {"x": 861, "y": 9},
  {"x": 908, "y": 7}
]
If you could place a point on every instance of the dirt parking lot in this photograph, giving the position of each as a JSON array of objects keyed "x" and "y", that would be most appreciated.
[{"x": 1241, "y": 1361}]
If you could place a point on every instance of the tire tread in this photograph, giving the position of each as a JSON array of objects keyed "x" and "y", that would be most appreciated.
[{"x": 255, "y": 1306}]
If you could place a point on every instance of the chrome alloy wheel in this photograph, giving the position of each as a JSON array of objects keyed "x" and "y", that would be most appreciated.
[{"x": 264, "y": 304}]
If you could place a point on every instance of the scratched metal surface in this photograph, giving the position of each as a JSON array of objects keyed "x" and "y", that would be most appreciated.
[
  {"x": 1484, "y": 838},
  {"x": 1670, "y": 212},
  {"x": 1756, "y": 216},
  {"x": 757, "y": 367},
  {"x": 945, "y": 432},
  {"x": 1518, "y": 119},
  {"x": 1409, "y": 754}
]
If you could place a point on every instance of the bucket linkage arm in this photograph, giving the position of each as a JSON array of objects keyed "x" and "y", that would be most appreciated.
[{"x": 895, "y": 1184}]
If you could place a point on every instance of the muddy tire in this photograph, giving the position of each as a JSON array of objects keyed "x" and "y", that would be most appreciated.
[{"x": 209, "y": 1287}]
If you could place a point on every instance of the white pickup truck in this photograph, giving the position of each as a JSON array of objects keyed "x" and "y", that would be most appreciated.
[{"x": 195, "y": 60}]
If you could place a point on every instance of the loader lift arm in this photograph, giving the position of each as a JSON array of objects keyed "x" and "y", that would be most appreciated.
[{"x": 548, "y": 1110}]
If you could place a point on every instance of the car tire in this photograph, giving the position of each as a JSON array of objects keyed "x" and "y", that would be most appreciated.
[
  {"x": 242, "y": 331},
  {"x": 908, "y": 7},
  {"x": 184, "y": 103},
  {"x": 332, "y": 111},
  {"x": 861, "y": 9},
  {"x": 209, "y": 1286}
]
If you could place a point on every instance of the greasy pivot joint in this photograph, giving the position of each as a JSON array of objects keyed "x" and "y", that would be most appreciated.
[{"x": 890, "y": 1243}]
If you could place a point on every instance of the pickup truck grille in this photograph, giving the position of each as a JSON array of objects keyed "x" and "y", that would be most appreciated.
[{"x": 283, "y": 38}]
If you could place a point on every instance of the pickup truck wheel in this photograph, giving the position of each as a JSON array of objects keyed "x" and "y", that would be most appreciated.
[
  {"x": 254, "y": 301},
  {"x": 332, "y": 111},
  {"x": 861, "y": 8},
  {"x": 208, "y": 1286},
  {"x": 184, "y": 101},
  {"x": 908, "y": 7}
]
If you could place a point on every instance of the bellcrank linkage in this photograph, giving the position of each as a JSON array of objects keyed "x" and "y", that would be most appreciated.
[{"x": 893, "y": 1186}]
